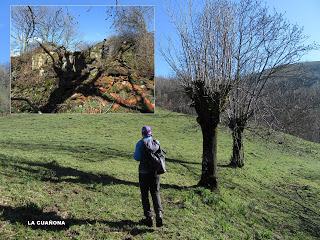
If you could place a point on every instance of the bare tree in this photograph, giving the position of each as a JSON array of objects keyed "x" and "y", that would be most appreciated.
[
  {"x": 170, "y": 95},
  {"x": 55, "y": 25},
  {"x": 131, "y": 20},
  {"x": 32, "y": 24},
  {"x": 227, "y": 52},
  {"x": 22, "y": 28},
  {"x": 290, "y": 103},
  {"x": 134, "y": 24},
  {"x": 203, "y": 63},
  {"x": 264, "y": 46}
]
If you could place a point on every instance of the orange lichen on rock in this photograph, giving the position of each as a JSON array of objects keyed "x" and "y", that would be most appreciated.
[
  {"x": 102, "y": 89},
  {"x": 131, "y": 101},
  {"x": 105, "y": 81},
  {"x": 146, "y": 102},
  {"x": 115, "y": 106}
]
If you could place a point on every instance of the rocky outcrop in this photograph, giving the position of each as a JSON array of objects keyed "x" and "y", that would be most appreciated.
[
  {"x": 98, "y": 79},
  {"x": 41, "y": 60}
]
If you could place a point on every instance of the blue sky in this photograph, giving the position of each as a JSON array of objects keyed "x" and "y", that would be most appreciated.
[
  {"x": 305, "y": 13},
  {"x": 94, "y": 23}
]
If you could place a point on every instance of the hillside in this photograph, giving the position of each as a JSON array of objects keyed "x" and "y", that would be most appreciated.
[
  {"x": 294, "y": 101},
  {"x": 79, "y": 168},
  {"x": 306, "y": 74}
]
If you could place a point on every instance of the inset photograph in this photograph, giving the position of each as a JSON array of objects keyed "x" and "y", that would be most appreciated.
[{"x": 82, "y": 59}]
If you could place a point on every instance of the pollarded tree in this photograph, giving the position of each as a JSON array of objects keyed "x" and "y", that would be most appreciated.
[
  {"x": 265, "y": 45},
  {"x": 32, "y": 24},
  {"x": 203, "y": 63},
  {"x": 227, "y": 51}
]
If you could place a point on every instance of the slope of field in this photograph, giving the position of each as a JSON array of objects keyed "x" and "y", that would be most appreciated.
[{"x": 79, "y": 168}]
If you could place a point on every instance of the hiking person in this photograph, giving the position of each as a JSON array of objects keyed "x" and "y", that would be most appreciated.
[{"x": 149, "y": 180}]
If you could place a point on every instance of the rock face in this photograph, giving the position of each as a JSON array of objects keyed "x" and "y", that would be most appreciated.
[
  {"x": 41, "y": 60},
  {"x": 100, "y": 79}
]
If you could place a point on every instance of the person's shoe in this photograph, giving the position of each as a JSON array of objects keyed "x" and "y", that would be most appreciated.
[
  {"x": 147, "y": 221},
  {"x": 159, "y": 222}
]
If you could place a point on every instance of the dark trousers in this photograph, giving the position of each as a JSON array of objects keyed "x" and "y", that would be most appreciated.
[{"x": 150, "y": 182}]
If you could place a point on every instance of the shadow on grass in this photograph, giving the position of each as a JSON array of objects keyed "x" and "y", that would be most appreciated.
[
  {"x": 225, "y": 166},
  {"x": 53, "y": 172},
  {"x": 31, "y": 212},
  {"x": 93, "y": 153},
  {"x": 297, "y": 206},
  {"x": 186, "y": 165},
  {"x": 181, "y": 161}
]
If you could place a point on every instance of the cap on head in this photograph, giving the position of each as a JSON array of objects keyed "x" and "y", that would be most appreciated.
[{"x": 146, "y": 131}]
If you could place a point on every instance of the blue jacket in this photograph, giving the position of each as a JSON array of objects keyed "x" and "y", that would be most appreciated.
[{"x": 138, "y": 154}]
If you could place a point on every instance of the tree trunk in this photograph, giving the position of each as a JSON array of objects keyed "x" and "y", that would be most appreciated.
[
  {"x": 209, "y": 156},
  {"x": 237, "y": 158}
]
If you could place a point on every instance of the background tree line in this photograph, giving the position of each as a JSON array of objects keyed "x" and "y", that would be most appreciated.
[{"x": 289, "y": 103}]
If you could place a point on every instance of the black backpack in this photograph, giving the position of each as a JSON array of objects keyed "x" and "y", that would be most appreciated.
[{"x": 154, "y": 156}]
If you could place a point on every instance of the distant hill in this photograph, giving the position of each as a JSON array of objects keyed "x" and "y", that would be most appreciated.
[
  {"x": 294, "y": 101},
  {"x": 301, "y": 75},
  {"x": 290, "y": 102}
]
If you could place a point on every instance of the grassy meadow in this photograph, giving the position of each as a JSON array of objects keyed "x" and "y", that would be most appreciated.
[{"x": 79, "y": 168}]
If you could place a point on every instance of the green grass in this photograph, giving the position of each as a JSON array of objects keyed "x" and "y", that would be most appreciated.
[{"x": 80, "y": 168}]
